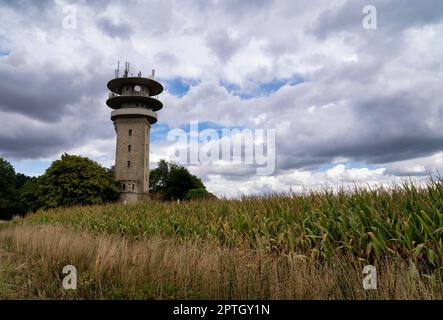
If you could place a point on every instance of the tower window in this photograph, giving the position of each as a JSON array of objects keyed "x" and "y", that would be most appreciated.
[
  {"x": 129, "y": 148},
  {"x": 124, "y": 186},
  {"x": 130, "y": 132},
  {"x": 129, "y": 164},
  {"x": 133, "y": 186}
]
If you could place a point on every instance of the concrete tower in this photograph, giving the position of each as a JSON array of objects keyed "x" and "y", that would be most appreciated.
[{"x": 134, "y": 100}]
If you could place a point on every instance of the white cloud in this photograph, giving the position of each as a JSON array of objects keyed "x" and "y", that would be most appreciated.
[{"x": 372, "y": 98}]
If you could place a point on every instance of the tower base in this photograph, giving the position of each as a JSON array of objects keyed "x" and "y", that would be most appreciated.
[{"x": 132, "y": 197}]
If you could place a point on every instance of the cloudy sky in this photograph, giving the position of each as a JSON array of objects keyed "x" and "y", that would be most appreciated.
[{"x": 348, "y": 104}]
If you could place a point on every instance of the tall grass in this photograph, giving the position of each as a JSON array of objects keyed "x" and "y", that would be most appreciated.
[
  {"x": 370, "y": 224},
  {"x": 155, "y": 268}
]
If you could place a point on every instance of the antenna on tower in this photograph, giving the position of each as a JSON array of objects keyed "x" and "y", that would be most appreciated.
[
  {"x": 153, "y": 74},
  {"x": 126, "y": 69},
  {"x": 117, "y": 71}
]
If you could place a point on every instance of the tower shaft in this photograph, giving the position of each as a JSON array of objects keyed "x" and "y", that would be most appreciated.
[{"x": 132, "y": 157}]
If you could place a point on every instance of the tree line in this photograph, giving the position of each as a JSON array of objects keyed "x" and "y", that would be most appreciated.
[{"x": 75, "y": 180}]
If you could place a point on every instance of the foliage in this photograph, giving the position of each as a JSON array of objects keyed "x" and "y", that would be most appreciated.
[
  {"x": 371, "y": 224},
  {"x": 8, "y": 190},
  {"x": 172, "y": 181},
  {"x": 198, "y": 194},
  {"x": 75, "y": 180},
  {"x": 72, "y": 180},
  {"x": 154, "y": 268},
  {"x": 28, "y": 198}
]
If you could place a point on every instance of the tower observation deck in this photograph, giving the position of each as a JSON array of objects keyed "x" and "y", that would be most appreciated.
[{"x": 135, "y": 105}]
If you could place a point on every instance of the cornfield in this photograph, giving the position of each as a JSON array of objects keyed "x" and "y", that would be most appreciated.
[
  {"x": 405, "y": 221},
  {"x": 293, "y": 246}
]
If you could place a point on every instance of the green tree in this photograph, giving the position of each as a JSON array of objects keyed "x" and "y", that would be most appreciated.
[
  {"x": 198, "y": 194},
  {"x": 28, "y": 197},
  {"x": 158, "y": 177},
  {"x": 8, "y": 190},
  {"x": 21, "y": 179},
  {"x": 75, "y": 180},
  {"x": 172, "y": 181}
]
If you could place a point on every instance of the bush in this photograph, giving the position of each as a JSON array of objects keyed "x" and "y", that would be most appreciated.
[
  {"x": 198, "y": 194},
  {"x": 8, "y": 190},
  {"x": 173, "y": 182},
  {"x": 75, "y": 180}
]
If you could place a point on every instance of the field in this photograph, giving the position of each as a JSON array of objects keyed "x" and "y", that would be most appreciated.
[{"x": 311, "y": 246}]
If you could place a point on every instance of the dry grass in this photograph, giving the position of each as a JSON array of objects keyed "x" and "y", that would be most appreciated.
[
  {"x": 114, "y": 267},
  {"x": 371, "y": 224}
]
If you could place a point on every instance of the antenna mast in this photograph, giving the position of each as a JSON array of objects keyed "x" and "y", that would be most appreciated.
[
  {"x": 117, "y": 71},
  {"x": 126, "y": 69}
]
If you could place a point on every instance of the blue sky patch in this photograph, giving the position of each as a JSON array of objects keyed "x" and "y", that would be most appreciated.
[
  {"x": 4, "y": 52},
  {"x": 263, "y": 89},
  {"x": 159, "y": 132},
  {"x": 348, "y": 165},
  {"x": 179, "y": 86},
  {"x": 30, "y": 167}
]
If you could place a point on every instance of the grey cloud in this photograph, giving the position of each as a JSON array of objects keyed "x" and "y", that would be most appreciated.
[
  {"x": 382, "y": 108},
  {"x": 101, "y": 4},
  {"x": 45, "y": 93},
  {"x": 46, "y": 110},
  {"x": 166, "y": 58},
  {"x": 113, "y": 29},
  {"x": 239, "y": 9},
  {"x": 372, "y": 126},
  {"x": 27, "y": 138},
  {"x": 376, "y": 130},
  {"x": 25, "y": 6},
  {"x": 392, "y": 17},
  {"x": 223, "y": 45},
  {"x": 29, "y": 144}
]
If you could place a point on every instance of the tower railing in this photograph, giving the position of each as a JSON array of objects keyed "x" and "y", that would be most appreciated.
[{"x": 140, "y": 94}]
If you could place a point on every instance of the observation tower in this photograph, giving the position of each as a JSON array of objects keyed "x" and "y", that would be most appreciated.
[{"x": 134, "y": 103}]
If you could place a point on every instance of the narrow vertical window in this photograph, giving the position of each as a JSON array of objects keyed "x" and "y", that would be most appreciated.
[
  {"x": 129, "y": 164},
  {"x": 133, "y": 187},
  {"x": 124, "y": 186},
  {"x": 129, "y": 148},
  {"x": 130, "y": 132}
]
